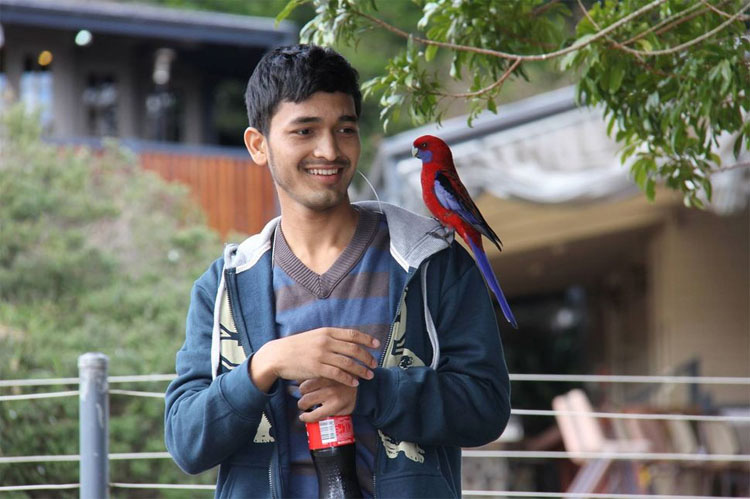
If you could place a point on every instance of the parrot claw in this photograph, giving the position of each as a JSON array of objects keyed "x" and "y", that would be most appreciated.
[{"x": 442, "y": 234}]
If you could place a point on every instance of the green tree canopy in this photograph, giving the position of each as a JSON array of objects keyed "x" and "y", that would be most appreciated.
[
  {"x": 96, "y": 254},
  {"x": 671, "y": 75}
]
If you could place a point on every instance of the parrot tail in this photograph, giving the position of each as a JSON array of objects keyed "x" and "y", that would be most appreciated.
[{"x": 489, "y": 276}]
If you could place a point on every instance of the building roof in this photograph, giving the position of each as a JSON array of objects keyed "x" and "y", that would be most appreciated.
[
  {"x": 543, "y": 150},
  {"x": 139, "y": 20}
]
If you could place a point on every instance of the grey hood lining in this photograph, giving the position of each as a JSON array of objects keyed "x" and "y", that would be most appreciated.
[{"x": 414, "y": 238}]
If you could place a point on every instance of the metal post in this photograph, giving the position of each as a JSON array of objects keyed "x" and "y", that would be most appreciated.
[{"x": 94, "y": 425}]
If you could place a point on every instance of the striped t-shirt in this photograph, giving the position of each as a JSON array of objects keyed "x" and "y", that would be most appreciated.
[{"x": 353, "y": 293}]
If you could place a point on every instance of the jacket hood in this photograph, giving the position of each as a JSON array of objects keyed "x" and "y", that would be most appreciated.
[{"x": 414, "y": 238}]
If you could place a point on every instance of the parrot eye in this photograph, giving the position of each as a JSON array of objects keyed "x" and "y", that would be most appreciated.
[{"x": 423, "y": 145}]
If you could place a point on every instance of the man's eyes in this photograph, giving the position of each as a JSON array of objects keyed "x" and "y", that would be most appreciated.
[{"x": 309, "y": 131}]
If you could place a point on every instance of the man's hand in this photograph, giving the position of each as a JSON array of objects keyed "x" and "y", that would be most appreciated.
[
  {"x": 330, "y": 353},
  {"x": 334, "y": 399}
]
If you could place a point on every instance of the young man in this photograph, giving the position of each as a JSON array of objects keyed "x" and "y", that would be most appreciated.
[{"x": 333, "y": 309}]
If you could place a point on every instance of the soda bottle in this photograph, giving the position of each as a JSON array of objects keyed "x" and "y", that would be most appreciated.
[{"x": 331, "y": 443}]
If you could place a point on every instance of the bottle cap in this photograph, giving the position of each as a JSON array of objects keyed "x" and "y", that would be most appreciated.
[{"x": 331, "y": 432}]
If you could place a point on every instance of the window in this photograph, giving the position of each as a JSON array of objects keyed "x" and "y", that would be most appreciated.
[
  {"x": 100, "y": 104},
  {"x": 36, "y": 86}
]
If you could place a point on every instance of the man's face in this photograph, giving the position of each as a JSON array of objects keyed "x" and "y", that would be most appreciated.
[{"x": 312, "y": 150}]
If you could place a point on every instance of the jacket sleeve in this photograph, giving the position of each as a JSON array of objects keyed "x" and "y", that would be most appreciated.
[
  {"x": 206, "y": 421},
  {"x": 464, "y": 402}
]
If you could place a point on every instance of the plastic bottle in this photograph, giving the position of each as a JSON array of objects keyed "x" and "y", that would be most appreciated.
[{"x": 331, "y": 443}]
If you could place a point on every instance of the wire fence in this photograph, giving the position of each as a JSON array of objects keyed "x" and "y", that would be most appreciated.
[{"x": 738, "y": 456}]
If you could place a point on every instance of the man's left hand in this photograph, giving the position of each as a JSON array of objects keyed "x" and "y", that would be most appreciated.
[{"x": 335, "y": 399}]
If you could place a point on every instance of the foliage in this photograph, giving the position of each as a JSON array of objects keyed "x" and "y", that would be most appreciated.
[
  {"x": 95, "y": 255},
  {"x": 670, "y": 75}
]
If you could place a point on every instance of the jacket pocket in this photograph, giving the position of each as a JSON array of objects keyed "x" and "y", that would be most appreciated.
[
  {"x": 237, "y": 481},
  {"x": 414, "y": 485}
]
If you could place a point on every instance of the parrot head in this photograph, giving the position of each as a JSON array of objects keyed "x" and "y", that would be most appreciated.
[{"x": 429, "y": 148}]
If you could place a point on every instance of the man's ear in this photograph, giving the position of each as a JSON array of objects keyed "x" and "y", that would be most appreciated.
[{"x": 256, "y": 145}]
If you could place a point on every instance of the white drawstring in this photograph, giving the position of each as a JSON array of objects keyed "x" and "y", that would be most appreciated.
[{"x": 431, "y": 331}]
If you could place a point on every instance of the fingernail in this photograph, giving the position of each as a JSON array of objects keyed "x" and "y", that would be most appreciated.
[
  {"x": 356, "y": 383},
  {"x": 370, "y": 374},
  {"x": 376, "y": 343}
]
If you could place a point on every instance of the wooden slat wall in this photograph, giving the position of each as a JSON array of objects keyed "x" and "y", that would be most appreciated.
[{"x": 235, "y": 193}]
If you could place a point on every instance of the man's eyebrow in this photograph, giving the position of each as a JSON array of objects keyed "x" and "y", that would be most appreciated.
[
  {"x": 305, "y": 119},
  {"x": 302, "y": 120}
]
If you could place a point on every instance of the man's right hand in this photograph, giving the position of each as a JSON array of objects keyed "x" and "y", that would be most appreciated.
[{"x": 326, "y": 352}]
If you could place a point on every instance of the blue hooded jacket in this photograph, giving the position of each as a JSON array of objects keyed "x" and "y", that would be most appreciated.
[{"x": 442, "y": 382}]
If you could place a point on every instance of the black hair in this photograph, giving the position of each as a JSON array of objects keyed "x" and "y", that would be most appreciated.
[{"x": 294, "y": 73}]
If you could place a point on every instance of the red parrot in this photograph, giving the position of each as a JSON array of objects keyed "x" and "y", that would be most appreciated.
[{"x": 447, "y": 199}]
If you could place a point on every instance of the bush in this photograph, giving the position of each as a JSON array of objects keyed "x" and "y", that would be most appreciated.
[{"x": 96, "y": 254}]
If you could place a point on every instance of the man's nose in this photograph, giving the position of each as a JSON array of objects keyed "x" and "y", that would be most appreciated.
[{"x": 327, "y": 147}]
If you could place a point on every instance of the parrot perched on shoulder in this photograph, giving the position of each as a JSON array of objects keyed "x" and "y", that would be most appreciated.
[{"x": 447, "y": 199}]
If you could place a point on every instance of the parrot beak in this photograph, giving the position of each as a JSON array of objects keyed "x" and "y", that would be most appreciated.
[{"x": 414, "y": 152}]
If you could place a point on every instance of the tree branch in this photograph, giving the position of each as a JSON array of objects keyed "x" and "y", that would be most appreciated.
[
  {"x": 484, "y": 90},
  {"x": 735, "y": 166},
  {"x": 637, "y": 53},
  {"x": 506, "y": 55},
  {"x": 612, "y": 42},
  {"x": 543, "y": 8},
  {"x": 665, "y": 24},
  {"x": 721, "y": 12},
  {"x": 640, "y": 53},
  {"x": 704, "y": 36}
]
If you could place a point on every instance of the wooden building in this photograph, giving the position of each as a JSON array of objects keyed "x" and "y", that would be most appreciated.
[{"x": 168, "y": 83}]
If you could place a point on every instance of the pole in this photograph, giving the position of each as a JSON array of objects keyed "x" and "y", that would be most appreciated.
[{"x": 94, "y": 425}]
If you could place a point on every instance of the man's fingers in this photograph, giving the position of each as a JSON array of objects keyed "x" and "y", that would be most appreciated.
[
  {"x": 355, "y": 352},
  {"x": 349, "y": 365},
  {"x": 312, "y": 399},
  {"x": 354, "y": 336},
  {"x": 336, "y": 374},
  {"x": 321, "y": 412},
  {"x": 310, "y": 385}
]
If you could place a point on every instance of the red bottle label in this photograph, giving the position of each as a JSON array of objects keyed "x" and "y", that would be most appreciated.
[{"x": 331, "y": 432}]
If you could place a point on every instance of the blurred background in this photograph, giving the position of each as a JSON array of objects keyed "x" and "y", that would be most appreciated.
[{"x": 122, "y": 173}]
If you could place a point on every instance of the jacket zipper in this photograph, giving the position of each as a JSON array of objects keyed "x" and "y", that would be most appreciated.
[
  {"x": 401, "y": 299},
  {"x": 274, "y": 455},
  {"x": 393, "y": 325},
  {"x": 270, "y": 473},
  {"x": 269, "y": 414}
]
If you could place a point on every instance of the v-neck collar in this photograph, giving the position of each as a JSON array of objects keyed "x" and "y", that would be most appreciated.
[{"x": 321, "y": 285}]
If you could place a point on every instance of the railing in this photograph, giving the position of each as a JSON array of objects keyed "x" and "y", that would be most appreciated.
[
  {"x": 597, "y": 476},
  {"x": 235, "y": 193}
]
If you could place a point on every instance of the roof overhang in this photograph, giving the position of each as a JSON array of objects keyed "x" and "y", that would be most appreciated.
[
  {"x": 138, "y": 20},
  {"x": 544, "y": 150}
]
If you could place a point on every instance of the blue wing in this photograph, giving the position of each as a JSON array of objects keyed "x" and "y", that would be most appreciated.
[{"x": 452, "y": 195}]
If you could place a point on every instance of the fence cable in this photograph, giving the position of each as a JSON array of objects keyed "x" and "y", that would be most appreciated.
[
  {"x": 614, "y": 456},
  {"x": 76, "y": 457},
  {"x": 159, "y": 395},
  {"x": 47, "y": 486},
  {"x": 632, "y": 415},
  {"x": 579, "y": 495},
  {"x": 509, "y": 454},
  {"x": 572, "y": 378},
  {"x": 138, "y": 378},
  {"x": 30, "y": 396},
  {"x": 595, "y": 378},
  {"x": 162, "y": 486}
]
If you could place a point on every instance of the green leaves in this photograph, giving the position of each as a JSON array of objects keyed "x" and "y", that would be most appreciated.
[
  {"x": 670, "y": 90},
  {"x": 86, "y": 239}
]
